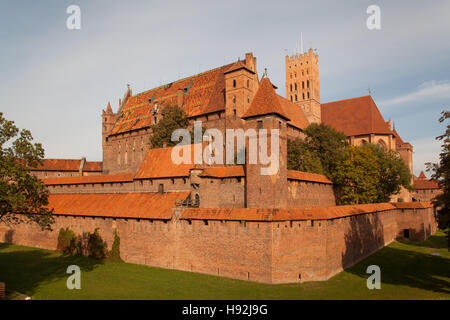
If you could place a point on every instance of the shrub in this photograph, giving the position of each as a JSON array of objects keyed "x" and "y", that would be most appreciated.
[
  {"x": 400, "y": 200},
  {"x": 96, "y": 246},
  {"x": 67, "y": 242},
  {"x": 114, "y": 254}
]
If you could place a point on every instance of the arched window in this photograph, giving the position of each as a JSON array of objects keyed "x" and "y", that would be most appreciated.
[
  {"x": 295, "y": 97},
  {"x": 308, "y": 94},
  {"x": 291, "y": 87},
  {"x": 303, "y": 96},
  {"x": 307, "y": 83},
  {"x": 291, "y": 98},
  {"x": 295, "y": 87},
  {"x": 303, "y": 84},
  {"x": 381, "y": 143}
]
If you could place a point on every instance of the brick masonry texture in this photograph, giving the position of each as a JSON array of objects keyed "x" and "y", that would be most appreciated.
[{"x": 267, "y": 251}]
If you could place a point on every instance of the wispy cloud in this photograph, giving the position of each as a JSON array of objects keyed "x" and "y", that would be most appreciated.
[{"x": 427, "y": 90}]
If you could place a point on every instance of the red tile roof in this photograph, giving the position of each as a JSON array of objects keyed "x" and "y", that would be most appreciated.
[
  {"x": 283, "y": 214},
  {"x": 158, "y": 164},
  {"x": 59, "y": 165},
  {"x": 103, "y": 178},
  {"x": 421, "y": 184},
  {"x": 117, "y": 205},
  {"x": 203, "y": 93},
  {"x": 356, "y": 116},
  {"x": 93, "y": 166},
  {"x": 307, "y": 176},
  {"x": 295, "y": 113},
  {"x": 223, "y": 172},
  {"x": 413, "y": 205},
  {"x": 266, "y": 102}
]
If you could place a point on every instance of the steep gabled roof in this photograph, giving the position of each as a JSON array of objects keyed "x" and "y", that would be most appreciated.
[
  {"x": 295, "y": 113},
  {"x": 202, "y": 94},
  {"x": 266, "y": 102},
  {"x": 356, "y": 116}
]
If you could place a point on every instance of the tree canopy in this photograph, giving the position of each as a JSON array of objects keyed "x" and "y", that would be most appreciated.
[
  {"x": 365, "y": 174},
  {"x": 441, "y": 173},
  {"x": 173, "y": 117},
  {"x": 23, "y": 197}
]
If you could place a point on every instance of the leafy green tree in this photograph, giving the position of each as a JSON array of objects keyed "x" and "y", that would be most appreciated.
[
  {"x": 393, "y": 172},
  {"x": 300, "y": 158},
  {"x": 23, "y": 197},
  {"x": 327, "y": 144},
  {"x": 356, "y": 175},
  {"x": 441, "y": 173},
  {"x": 173, "y": 117}
]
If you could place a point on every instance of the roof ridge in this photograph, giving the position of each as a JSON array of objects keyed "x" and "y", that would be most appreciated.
[
  {"x": 346, "y": 99},
  {"x": 185, "y": 78}
]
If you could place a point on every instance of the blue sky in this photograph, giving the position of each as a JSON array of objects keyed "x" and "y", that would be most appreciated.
[{"x": 56, "y": 81}]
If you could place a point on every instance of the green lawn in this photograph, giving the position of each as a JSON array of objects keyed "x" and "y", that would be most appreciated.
[{"x": 409, "y": 270}]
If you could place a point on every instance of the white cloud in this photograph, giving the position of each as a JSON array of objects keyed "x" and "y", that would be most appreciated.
[
  {"x": 427, "y": 90},
  {"x": 425, "y": 150}
]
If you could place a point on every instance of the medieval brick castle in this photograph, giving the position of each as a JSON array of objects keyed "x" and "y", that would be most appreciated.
[{"x": 228, "y": 220}]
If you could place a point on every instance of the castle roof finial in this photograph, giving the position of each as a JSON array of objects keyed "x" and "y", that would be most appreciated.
[{"x": 265, "y": 73}]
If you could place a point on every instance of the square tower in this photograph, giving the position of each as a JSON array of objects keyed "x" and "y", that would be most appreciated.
[{"x": 303, "y": 85}]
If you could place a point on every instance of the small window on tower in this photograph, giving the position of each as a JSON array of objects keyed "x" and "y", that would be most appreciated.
[
  {"x": 307, "y": 83},
  {"x": 234, "y": 112},
  {"x": 234, "y": 83},
  {"x": 295, "y": 87},
  {"x": 295, "y": 97},
  {"x": 248, "y": 83},
  {"x": 234, "y": 99},
  {"x": 291, "y": 87},
  {"x": 303, "y": 95},
  {"x": 291, "y": 98},
  {"x": 308, "y": 95},
  {"x": 259, "y": 124},
  {"x": 303, "y": 84}
]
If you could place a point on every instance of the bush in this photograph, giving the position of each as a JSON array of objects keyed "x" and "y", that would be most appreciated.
[
  {"x": 114, "y": 254},
  {"x": 96, "y": 246},
  {"x": 400, "y": 200},
  {"x": 67, "y": 242}
]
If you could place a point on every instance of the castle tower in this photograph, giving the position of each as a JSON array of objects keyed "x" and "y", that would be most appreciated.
[
  {"x": 108, "y": 121},
  {"x": 241, "y": 84},
  {"x": 303, "y": 85},
  {"x": 264, "y": 189}
]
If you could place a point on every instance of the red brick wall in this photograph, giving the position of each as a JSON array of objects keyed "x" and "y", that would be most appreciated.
[{"x": 271, "y": 252}]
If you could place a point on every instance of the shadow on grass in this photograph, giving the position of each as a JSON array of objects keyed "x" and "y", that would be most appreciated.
[
  {"x": 434, "y": 242},
  {"x": 24, "y": 269},
  {"x": 408, "y": 268}
]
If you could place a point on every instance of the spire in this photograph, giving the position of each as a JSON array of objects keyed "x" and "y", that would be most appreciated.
[
  {"x": 108, "y": 108},
  {"x": 265, "y": 101},
  {"x": 422, "y": 175}
]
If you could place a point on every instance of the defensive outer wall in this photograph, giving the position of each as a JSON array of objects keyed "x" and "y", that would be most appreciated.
[{"x": 263, "y": 245}]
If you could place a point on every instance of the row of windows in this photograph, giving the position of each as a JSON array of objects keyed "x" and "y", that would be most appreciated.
[
  {"x": 303, "y": 85},
  {"x": 248, "y": 83},
  {"x": 303, "y": 73},
  {"x": 303, "y": 97}
]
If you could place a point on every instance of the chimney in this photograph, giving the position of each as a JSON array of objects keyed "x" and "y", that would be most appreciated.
[{"x": 180, "y": 94}]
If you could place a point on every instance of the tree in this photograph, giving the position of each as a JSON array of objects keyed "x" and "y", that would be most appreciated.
[
  {"x": 441, "y": 173},
  {"x": 393, "y": 172},
  {"x": 356, "y": 175},
  {"x": 23, "y": 197},
  {"x": 173, "y": 117},
  {"x": 300, "y": 158},
  {"x": 327, "y": 144}
]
